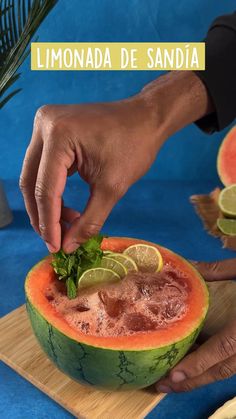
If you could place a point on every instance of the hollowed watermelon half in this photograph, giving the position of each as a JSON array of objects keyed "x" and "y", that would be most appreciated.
[
  {"x": 226, "y": 160},
  {"x": 121, "y": 362}
]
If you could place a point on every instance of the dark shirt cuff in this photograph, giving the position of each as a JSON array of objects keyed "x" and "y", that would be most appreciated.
[{"x": 219, "y": 76}]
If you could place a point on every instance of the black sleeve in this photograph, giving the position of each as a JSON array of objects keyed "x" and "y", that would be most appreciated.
[{"x": 219, "y": 76}]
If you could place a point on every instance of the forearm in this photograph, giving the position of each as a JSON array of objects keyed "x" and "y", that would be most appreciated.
[
  {"x": 176, "y": 100},
  {"x": 205, "y": 97}
]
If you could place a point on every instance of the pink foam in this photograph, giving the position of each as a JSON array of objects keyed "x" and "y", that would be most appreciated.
[{"x": 141, "y": 302}]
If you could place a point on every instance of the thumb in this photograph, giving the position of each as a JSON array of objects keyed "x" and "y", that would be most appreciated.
[
  {"x": 217, "y": 271},
  {"x": 91, "y": 221}
]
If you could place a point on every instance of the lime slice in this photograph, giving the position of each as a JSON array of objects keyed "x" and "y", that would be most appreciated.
[
  {"x": 227, "y": 201},
  {"x": 114, "y": 265},
  {"x": 97, "y": 276},
  {"x": 147, "y": 258},
  {"x": 126, "y": 261},
  {"x": 228, "y": 410},
  {"x": 107, "y": 252},
  {"x": 227, "y": 226}
]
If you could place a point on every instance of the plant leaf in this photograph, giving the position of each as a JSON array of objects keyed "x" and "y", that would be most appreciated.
[
  {"x": 18, "y": 23},
  {"x": 9, "y": 83},
  {"x": 71, "y": 288},
  {"x": 70, "y": 267},
  {"x": 7, "y": 98}
]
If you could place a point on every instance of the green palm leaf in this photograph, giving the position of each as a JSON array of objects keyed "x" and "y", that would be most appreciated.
[{"x": 19, "y": 20}]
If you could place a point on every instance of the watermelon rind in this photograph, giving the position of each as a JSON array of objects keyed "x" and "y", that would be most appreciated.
[{"x": 107, "y": 368}]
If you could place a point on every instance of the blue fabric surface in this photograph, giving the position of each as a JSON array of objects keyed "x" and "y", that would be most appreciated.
[{"x": 153, "y": 210}]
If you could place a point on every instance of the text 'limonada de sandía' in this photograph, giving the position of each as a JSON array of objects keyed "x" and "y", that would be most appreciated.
[{"x": 118, "y": 56}]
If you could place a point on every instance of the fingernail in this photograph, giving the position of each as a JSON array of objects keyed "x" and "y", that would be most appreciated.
[
  {"x": 50, "y": 247},
  {"x": 164, "y": 389},
  {"x": 178, "y": 376}
]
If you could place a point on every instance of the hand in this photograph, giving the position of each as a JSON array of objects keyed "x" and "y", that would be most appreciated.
[
  {"x": 217, "y": 271},
  {"x": 216, "y": 358},
  {"x": 110, "y": 145}
]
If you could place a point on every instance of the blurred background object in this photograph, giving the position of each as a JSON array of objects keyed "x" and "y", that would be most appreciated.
[{"x": 5, "y": 212}]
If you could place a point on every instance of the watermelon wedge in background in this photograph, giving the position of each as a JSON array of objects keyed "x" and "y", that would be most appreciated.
[
  {"x": 226, "y": 160},
  {"x": 137, "y": 355}
]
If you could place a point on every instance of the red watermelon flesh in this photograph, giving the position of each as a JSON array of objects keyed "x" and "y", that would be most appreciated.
[
  {"x": 226, "y": 161},
  {"x": 141, "y": 302}
]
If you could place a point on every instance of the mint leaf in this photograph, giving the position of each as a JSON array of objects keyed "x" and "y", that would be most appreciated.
[
  {"x": 60, "y": 255},
  {"x": 93, "y": 244},
  {"x": 71, "y": 263},
  {"x": 69, "y": 268},
  {"x": 71, "y": 288},
  {"x": 78, "y": 275}
]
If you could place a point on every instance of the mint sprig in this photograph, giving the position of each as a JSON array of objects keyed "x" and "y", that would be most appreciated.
[
  {"x": 69, "y": 268},
  {"x": 71, "y": 288}
]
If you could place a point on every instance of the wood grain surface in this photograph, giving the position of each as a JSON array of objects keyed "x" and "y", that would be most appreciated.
[{"x": 20, "y": 350}]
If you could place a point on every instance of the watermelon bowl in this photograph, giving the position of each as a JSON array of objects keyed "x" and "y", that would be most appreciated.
[
  {"x": 226, "y": 158},
  {"x": 126, "y": 362}
]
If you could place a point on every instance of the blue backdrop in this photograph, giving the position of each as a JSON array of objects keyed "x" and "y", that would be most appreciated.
[
  {"x": 153, "y": 210},
  {"x": 189, "y": 154}
]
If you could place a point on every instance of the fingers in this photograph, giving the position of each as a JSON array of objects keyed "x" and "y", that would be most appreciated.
[
  {"x": 69, "y": 215},
  {"x": 28, "y": 178},
  {"x": 220, "y": 371},
  {"x": 91, "y": 221},
  {"x": 217, "y": 271},
  {"x": 50, "y": 184},
  {"x": 214, "y": 360}
]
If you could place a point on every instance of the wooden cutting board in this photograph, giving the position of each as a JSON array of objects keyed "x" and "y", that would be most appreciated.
[{"x": 20, "y": 350}]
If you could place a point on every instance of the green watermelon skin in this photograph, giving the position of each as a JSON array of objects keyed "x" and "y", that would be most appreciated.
[{"x": 106, "y": 368}]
